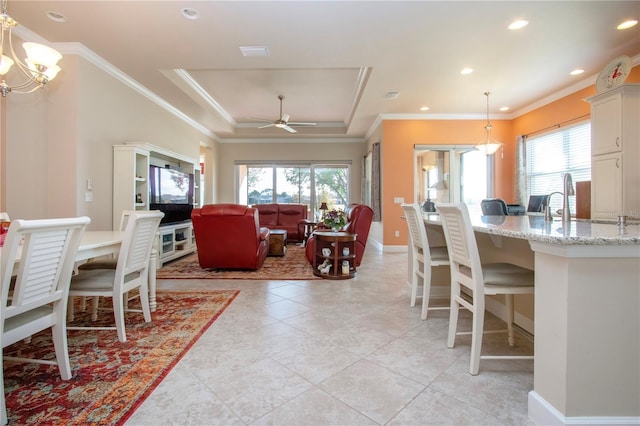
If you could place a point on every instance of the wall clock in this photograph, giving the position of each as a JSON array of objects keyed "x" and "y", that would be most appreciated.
[{"x": 614, "y": 74}]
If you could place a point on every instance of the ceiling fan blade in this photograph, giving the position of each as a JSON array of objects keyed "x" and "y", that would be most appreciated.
[
  {"x": 266, "y": 125},
  {"x": 289, "y": 129},
  {"x": 298, "y": 123}
]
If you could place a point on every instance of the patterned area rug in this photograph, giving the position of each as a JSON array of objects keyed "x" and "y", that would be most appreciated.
[
  {"x": 292, "y": 266},
  {"x": 110, "y": 379}
]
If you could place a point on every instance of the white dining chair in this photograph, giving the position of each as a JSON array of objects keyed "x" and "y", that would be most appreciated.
[
  {"x": 36, "y": 266},
  {"x": 131, "y": 272},
  {"x": 423, "y": 258},
  {"x": 478, "y": 280}
]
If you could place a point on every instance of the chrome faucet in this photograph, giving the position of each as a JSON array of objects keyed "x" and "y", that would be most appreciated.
[
  {"x": 547, "y": 209},
  {"x": 568, "y": 191}
]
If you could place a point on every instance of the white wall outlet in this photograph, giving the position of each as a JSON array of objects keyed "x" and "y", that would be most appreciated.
[
  {"x": 88, "y": 196},
  {"x": 397, "y": 233},
  {"x": 398, "y": 200}
]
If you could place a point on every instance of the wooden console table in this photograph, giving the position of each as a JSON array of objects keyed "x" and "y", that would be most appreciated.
[{"x": 335, "y": 254}]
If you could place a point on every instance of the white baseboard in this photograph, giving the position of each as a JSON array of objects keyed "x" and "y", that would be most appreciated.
[{"x": 542, "y": 413}]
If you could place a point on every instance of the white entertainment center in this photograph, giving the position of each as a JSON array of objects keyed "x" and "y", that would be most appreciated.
[{"x": 131, "y": 191}]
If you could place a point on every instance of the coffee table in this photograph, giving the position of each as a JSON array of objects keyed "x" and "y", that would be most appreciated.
[{"x": 277, "y": 242}]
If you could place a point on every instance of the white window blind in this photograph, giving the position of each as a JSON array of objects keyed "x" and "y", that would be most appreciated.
[{"x": 550, "y": 156}]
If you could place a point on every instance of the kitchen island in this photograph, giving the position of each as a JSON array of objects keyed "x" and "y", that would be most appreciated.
[{"x": 587, "y": 313}]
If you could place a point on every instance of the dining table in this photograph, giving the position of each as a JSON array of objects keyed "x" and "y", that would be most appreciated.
[{"x": 95, "y": 244}]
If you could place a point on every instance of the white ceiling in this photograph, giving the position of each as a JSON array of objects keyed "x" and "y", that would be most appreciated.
[{"x": 334, "y": 61}]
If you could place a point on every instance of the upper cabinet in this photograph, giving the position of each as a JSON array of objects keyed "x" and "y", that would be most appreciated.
[
  {"x": 615, "y": 153},
  {"x": 606, "y": 124}
]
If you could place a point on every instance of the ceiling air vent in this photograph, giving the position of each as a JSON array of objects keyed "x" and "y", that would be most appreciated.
[
  {"x": 391, "y": 95},
  {"x": 254, "y": 50}
]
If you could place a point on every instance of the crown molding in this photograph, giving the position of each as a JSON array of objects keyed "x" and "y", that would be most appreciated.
[
  {"x": 75, "y": 48},
  {"x": 292, "y": 140}
]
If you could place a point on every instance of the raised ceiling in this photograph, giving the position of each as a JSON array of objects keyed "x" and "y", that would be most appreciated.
[{"x": 336, "y": 62}]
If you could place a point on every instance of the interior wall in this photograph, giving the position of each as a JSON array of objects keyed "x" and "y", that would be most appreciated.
[
  {"x": 229, "y": 153},
  {"x": 211, "y": 166},
  {"x": 399, "y": 136},
  {"x": 61, "y": 138},
  {"x": 398, "y": 140}
]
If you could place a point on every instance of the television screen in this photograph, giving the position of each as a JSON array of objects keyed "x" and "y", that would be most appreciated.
[{"x": 169, "y": 186}]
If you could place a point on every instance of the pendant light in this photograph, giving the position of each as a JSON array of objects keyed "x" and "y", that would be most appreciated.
[{"x": 489, "y": 146}]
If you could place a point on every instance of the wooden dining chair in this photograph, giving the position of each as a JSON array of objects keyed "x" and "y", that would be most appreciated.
[
  {"x": 478, "y": 280},
  {"x": 423, "y": 258},
  {"x": 36, "y": 267},
  {"x": 131, "y": 272}
]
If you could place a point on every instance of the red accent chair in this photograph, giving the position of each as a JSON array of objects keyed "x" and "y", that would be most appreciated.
[
  {"x": 359, "y": 217},
  {"x": 228, "y": 236}
]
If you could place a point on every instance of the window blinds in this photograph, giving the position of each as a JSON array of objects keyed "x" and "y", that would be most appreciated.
[{"x": 550, "y": 156}]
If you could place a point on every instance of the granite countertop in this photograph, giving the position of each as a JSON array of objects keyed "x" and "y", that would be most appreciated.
[{"x": 535, "y": 228}]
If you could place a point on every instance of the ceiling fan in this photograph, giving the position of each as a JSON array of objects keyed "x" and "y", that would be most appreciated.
[{"x": 283, "y": 122}]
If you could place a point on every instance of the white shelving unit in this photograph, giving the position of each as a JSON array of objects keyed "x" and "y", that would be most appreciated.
[
  {"x": 131, "y": 163},
  {"x": 175, "y": 240}
]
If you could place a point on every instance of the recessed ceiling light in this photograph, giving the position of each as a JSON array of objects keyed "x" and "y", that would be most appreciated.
[
  {"x": 466, "y": 71},
  {"x": 55, "y": 16},
  {"x": 190, "y": 13},
  {"x": 627, "y": 24},
  {"x": 577, "y": 71},
  {"x": 504, "y": 108},
  {"x": 516, "y": 25},
  {"x": 424, "y": 108},
  {"x": 254, "y": 50}
]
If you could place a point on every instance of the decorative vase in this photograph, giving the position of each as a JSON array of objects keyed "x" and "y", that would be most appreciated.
[{"x": 335, "y": 229}]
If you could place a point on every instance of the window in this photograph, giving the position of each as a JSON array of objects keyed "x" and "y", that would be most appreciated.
[
  {"x": 309, "y": 184},
  {"x": 550, "y": 156},
  {"x": 452, "y": 174}
]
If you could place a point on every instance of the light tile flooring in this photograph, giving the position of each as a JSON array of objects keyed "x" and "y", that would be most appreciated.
[{"x": 348, "y": 352}]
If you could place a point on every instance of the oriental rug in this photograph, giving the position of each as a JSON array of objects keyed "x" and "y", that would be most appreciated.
[
  {"x": 110, "y": 378},
  {"x": 292, "y": 266}
]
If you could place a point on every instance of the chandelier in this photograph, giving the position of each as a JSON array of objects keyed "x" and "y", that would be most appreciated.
[
  {"x": 490, "y": 145},
  {"x": 38, "y": 67}
]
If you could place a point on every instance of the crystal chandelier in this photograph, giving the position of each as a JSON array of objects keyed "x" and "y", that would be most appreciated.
[
  {"x": 38, "y": 67},
  {"x": 490, "y": 145}
]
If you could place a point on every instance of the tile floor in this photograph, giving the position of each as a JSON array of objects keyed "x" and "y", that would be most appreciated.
[{"x": 327, "y": 352}]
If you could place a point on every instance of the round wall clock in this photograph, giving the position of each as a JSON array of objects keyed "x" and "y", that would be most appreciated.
[{"x": 614, "y": 74}]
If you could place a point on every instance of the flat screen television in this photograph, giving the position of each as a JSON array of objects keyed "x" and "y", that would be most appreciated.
[{"x": 171, "y": 192}]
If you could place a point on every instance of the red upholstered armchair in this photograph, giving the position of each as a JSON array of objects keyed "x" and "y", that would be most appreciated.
[
  {"x": 228, "y": 236},
  {"x": 359, "y": 217}
]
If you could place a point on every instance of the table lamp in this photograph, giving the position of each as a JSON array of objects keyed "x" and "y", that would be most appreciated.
[{"x": 323, "y": 208}]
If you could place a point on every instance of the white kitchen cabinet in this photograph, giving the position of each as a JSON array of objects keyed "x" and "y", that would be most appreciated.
[{"x": 615, "y": 153}]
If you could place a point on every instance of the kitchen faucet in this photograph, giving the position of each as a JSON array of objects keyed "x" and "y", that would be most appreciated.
[
  {"x": 568, "y": 191},
  {"x": 547, "y": 209}
]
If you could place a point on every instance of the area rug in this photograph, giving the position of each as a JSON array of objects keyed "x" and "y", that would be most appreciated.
[
  {"x": 292, "y": 266},
  {"x": 110, "y": 378}
]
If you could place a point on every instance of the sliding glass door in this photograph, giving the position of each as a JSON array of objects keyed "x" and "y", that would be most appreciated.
[{"x": 310, "y": 184}]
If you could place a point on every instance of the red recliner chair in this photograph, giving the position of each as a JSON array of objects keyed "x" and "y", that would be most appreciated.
[
  {"x": 359, "y": 217},
  {"x": 228, "y": 236}
]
